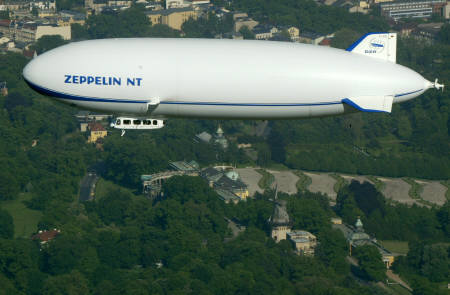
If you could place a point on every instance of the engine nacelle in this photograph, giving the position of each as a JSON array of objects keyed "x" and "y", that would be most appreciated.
[{"x": 137, "y": 123}]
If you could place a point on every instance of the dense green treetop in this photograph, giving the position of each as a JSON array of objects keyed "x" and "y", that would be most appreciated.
[
  {"x": 369, "y": 259},
  {"x": 6, "y": 225}
]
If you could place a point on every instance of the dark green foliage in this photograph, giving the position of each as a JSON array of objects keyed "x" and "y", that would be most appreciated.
[
  {"x": 308, "y": 214},
  {"x": 4, "y": 14},
  {"x": 443, "y": 216},
  {"x": 128, "y": 23},
  {"x": 9, "y": 187},
  {"x": 246, "y": 33},
  {"x": 207, "y": 27},
  {"x": 79, "y": 32},
  {"x": 390, "y": 222},
  {"x": 309, "y": 16},
  {"x": 73, "y": 283},
  {"x": 19, "y": 265},
  {"x": 370, "y": 263},
  {"x": 429, "y": 260},
  {"x": 344, "y": 37},
  {"x": 6, "y": 225},
  {"x": 333, "y": 249},
  {"x": 68, "y": 4},
  {"x": 444, "y": 34},
  {"x": 114, "y": 207},
  {"x": 48, "y": 42}
]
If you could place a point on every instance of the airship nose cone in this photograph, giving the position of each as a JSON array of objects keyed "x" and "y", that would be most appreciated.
[{"x": 30, "y": 72}]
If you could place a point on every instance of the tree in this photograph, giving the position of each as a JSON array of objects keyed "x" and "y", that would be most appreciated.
[
  {"x": 246, "y": 33},
  {"x": 333, "y": 249},
  {"x": 79, "y": 32},
  {"x": 6, "y": 225},
  {"x": 72, "y": 283},
  {"x": 4, "y": 14},
  {"x": 370, "y": 263},
  {"x": 9, "y": 188},
  {"x": 113, "y": 208},
  {"x": 444, "y": 34},
  {"x": 48, "y": 42}
]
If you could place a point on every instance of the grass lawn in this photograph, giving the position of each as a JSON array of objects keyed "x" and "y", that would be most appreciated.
[
  {"x": 267, "y": 179},
  {"x": 303, "y": 181},
  {"x": 102, "y": 187},
  {"x": 400, "y": 247},
  {"x": 25, "y": 220},
  {"x": 399, "y": 290}
]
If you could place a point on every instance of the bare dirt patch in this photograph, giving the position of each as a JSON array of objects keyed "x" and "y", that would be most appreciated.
[
  {"x": 322, "y": 183},
  {"x": 433, "y": 192},
  {"x": 251, "y": 178},
  {"x": 285, "y": 181},
  {"x": 397, "y": 190}
]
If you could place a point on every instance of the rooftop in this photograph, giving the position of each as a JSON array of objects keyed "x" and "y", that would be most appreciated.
[
  {"x": 184, "y": 166},
  {"x": 280, "y": 215},
  {"x": 94, "y": 126},
  {"x": 46, "y": 235},
  {"x": 169, "y": 11}
]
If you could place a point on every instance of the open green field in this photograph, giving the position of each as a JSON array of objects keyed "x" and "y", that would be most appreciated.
[
  {"x": 25, "y": 219},
  {"x": 103, "y": 186},
  {"x": 400, "y": 247}
]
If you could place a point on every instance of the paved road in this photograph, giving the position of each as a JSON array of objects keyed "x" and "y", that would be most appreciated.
[{"x": 87, "y": 185}]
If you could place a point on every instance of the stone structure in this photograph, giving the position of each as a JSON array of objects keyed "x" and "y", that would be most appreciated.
[
  {"x": 97, "y": 131},
  {"x": 304, "y": 242},
  {"x": 220, "y": 139},
  {"x": 279, "y": 221},
  {"x": 226, "y": 184}
]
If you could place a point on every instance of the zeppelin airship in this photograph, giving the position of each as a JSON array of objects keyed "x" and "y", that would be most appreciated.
[{"x": 144, "y": 81}]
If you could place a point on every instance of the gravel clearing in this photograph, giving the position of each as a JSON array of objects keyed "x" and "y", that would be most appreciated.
[
  {"x": 285, "y": 181},
  {"x": 433, "y": 192},
  {"x": 322, "y": 183},
  {"x": 397, "y": 190},
  {"x": 250, "y": 177}
]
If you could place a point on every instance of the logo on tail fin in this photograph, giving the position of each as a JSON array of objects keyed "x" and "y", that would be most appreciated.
[{"x": 376, "y": 45}]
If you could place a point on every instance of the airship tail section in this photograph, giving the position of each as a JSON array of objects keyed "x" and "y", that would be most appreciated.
[
  {"x": 371, "y": 103},
  {"x": 377, "y": 45}
]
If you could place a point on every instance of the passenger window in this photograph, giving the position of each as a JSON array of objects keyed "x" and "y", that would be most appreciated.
[
  {"x": 118, "y": 122},
  {"x": 126, "y": 122},
  {"x": 147, "y": 122},
  {"x": 155, "y": 122},
  {"x": 137, "y": 122}
]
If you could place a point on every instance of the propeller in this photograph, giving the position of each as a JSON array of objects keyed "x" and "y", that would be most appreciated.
[{"x": 437, "y": 85}]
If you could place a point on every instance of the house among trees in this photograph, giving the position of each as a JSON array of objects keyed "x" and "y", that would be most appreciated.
[
  {"x": 97, "y": 131},
  {"x": 279, "y": 221},
  {"x": 304, "y": 242},
  {"x": 227, "y": 184},
  {"x": 3, "y": 89},
  {"x": 359, "y": 238},
  {"x": 218, "y": 138},
  {"x": 45, "y": 236}
]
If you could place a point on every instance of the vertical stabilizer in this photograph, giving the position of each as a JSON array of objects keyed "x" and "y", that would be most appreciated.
[{"x": 377, "y": 45}]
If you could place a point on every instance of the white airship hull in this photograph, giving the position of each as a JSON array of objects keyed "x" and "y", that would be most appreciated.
[{"x": 218, "y": 78}]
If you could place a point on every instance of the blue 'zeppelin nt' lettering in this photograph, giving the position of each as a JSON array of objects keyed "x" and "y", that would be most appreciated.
[{"x": 101, "y": 80}]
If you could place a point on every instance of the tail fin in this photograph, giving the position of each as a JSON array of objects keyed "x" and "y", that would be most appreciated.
[{"x": 377, "y": 45}]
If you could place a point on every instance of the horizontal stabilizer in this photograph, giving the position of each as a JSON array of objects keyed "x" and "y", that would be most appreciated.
[
  {"x": 370, "y": 103},
  {"x": 377, "y": 45}
]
